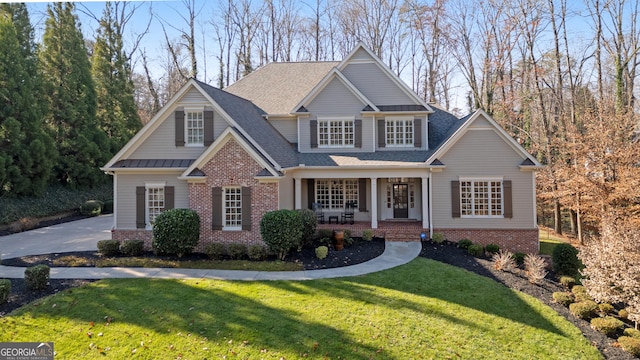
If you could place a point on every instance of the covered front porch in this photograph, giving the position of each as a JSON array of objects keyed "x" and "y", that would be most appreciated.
[{"x": 403, "y": 197}]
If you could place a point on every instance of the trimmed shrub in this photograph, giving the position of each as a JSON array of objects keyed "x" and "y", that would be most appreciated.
[
  {"x": 580, "y": 293},
  {"x": 37, "y": 277},
  {"x": 133, "y": 247},
  {"x": 519, "y": 258},
  {"x": 215, "y": 251},
  {"x": 607, "y": 325},
  {"x": 309, "y": 224},
  {"x": 237, "y": 251},
  {"x": 475, "y": 250},
  {"x": 492, "y": 248},
  {"x": 583, "y": 309},
  {"x": 503, "y": 261},
  {"x": 109, "y": 248},
  {"x": 91, "y": 208},
  {"x": 606, "y": 308},
  {"x": 176, "y": 232},
  {"x": 634, "y": 333},
  {"x": 534, "y": 268},
  {"x": 630, "y": 345},
  {"x": 438, "y": 238},
  {"x": 567, "y": 281},
  {"x": 348, "y": 240},
  {"x": 464, "y": 243},
  {"x": 107, "y": 207},
  {"x": 257, "y": 252},
  {"x": 322, "y": 252},
  {"x": 563, "y": 298},
  {"x": 5, "y": 290},
  {"x": 367, "y": 234},
  {"x": 565, "y": 259},
  {"x": 282, "y": 231},
  {"x": 623, "y": 314}
]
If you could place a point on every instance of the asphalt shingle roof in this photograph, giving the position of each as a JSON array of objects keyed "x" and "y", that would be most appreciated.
[
  {"x": 278, "y": 87},
  {"x": 249, "y": 118}
]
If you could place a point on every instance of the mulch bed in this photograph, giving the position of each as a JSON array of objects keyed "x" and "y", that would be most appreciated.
[{"x": 358, "y": 253}]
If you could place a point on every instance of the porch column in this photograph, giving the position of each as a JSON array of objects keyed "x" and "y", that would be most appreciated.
[
  {"x": 298, "y": 193},
  {"x": 374, "y": 203},
  {"x": 425, "y": 202}
]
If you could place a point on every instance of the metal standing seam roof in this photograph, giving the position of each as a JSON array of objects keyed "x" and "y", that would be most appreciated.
[
  {"x": 277, "y": 88},
  {"x": 153, "y": 163}
]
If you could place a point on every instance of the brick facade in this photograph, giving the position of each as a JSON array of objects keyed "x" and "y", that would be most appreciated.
[
  {"x": 515, "y": 240},
  {"x": 232, "y": 166},
  {"x": 145, "y": 235}
]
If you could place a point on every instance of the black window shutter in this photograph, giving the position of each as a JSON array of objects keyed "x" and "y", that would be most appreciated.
[
  {"x": 311, "y": 192},
  {"x": 140, "y": 208},
  {"x": 358, "y": 133},
  {"x": 246, "y": 208},
  {"x": 508, "y": 199},
  {"x": 417, "y": 133},
  {"x": 179, "y": 114},
  {"x": 362, "y": 194},
  {"x": 381, "y": 134},
  {"x": 169, "y": 197},
  {"x": 208, "y": 127},
  {"x": 216, "y": 208},
  {"x": 313, "y": 133},
  {"x": 455, "y": 199}
]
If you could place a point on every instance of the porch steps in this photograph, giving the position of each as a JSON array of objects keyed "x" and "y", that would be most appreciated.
[{"x": 404, "y": 235}]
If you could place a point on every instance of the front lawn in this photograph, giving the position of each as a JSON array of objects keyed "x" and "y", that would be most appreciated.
[{"x": 421, "y": 310}]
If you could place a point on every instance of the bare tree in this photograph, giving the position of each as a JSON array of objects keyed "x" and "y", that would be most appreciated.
[{"x": 187, "y": 38}]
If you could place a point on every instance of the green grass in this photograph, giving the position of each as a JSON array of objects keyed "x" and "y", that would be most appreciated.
[
  {"x": 547, "y": 246},
  {"x": 421, "y": 310}
]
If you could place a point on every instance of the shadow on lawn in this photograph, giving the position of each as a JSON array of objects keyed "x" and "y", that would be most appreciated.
[
  {"x": 432, "y": 279},
  {"x": 207, "y": 310}
]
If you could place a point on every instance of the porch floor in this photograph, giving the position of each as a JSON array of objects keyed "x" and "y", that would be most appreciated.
[{"x": 395, "y": 230}]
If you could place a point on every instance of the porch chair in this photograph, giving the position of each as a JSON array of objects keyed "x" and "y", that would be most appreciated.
[
  {"x": 317, "y": 208},
  {"x": 349, "y": 206}
]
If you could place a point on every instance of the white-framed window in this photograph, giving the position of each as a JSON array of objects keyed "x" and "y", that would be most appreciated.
[
  {"x": 194, "y": 127},
  {"x": 336, "y": 133},
  {"x": 154, "y": 202},
  {"x": 232, "y": 197},
  {"x": 399, "y": 131},
  {"x": 333, "y": 194},
  {"x": 481, "y": 198}
]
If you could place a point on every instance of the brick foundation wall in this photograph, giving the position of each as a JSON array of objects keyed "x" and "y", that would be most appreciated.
[
  {"x": 145, "y": 235},
  {"x": 232, "y": 166},
  {"x": 515, "y": 240}
]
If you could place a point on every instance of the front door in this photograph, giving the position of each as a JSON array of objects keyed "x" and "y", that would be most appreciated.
[{"x": 400, "y": 201}]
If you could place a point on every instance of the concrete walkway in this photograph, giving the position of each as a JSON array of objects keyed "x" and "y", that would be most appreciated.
[{"x": 83, "y": 235}]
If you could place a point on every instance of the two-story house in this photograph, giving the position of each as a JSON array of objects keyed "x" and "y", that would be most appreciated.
[{"x": 292, "y": 134}]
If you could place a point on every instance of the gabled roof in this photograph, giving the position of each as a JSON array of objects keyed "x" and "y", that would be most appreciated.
[
  {"x": 455, "y": 132},
  {"x": 251, "y": 124},
  {"x": 277, "y": 87},
  {"x": 333, "y": 74},
  {"x": 240, "y": 113},
  {"x": 401, "y": 84}
]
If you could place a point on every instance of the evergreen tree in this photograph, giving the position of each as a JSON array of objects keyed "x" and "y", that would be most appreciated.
[
  {"x": 116, "y": 113},
  {"x": 27, "y": 152},
  {"x": 70, "y": 95}
]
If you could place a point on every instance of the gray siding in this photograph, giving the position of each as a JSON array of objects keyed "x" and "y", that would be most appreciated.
[
  {"x": 161, "y": 143},
  {"x": 126, "y": 199},
  {"x": 193, "y": 96},
  {"x": 287, "y": 127},
  {"x": 483, "y": 153},
  {"x": 376, "y": 85}
]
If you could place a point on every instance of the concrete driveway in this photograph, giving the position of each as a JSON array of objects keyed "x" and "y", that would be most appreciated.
[{"x": 81, "y": 235}]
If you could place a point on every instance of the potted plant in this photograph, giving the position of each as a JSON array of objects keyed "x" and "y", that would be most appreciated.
[{"x": 338, "y": 236}]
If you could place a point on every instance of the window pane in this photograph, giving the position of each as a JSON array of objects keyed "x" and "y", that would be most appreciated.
[
  {"x": 348, "y": 133},
  {"x": 322, "y": 193},
  {"x": 323, "y": 133},
  {"x": 481, "y": 198},
  {"x": 233, "y": 207},
  {"x": 195, "y": 128},
  {"x": 496, "y": 198},
  {"x": 466, "y": 201},
  {"x": 155, "y": 203}
]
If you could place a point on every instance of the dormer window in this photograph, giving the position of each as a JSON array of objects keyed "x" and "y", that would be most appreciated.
[
  {"x": 336, "y": 133},
  {"x": 399, "y": 132},
  {"x": 194, "y": 127}
]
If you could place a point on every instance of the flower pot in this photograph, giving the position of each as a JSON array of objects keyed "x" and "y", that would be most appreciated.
[{"x": 338, "y": 236}]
